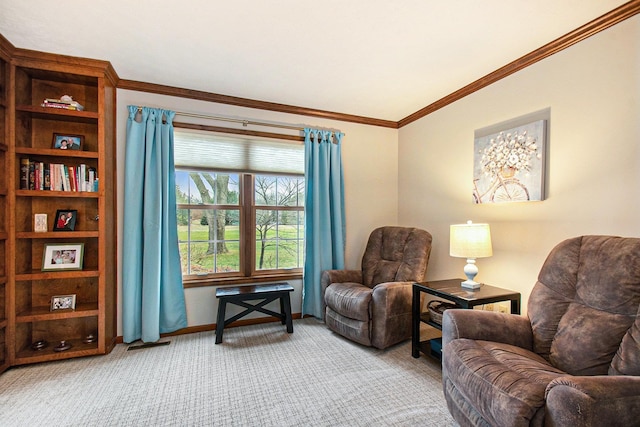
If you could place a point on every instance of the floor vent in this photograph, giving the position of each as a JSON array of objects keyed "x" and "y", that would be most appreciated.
[{"x": 148, "y": 345}]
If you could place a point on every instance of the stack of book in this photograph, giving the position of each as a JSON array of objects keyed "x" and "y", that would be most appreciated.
[
  {"x": 35, "y": 175},
  {"x": 65, "y": 102}
]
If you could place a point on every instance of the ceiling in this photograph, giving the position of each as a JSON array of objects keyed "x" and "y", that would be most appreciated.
[{"x": 381, "y": 59}]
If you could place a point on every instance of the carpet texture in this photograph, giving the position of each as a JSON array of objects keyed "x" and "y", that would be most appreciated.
[{"x": 259, "y": 376}]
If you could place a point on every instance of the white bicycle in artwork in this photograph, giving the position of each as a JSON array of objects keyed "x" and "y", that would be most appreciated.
[{"x": 504, "y": 188}]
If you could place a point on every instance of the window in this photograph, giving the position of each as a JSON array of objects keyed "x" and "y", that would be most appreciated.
[{"x": 241, "y": 223}]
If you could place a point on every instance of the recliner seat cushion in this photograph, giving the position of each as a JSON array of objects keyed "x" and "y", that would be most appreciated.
[
  {"x": 504, "y": 383},
  {"x": 351, "y": 300}
]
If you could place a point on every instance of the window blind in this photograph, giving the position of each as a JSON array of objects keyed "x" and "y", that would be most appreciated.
[{"x": 210, "y": 150}]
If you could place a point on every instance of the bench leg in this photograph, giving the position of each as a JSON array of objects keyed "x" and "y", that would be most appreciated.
[
  {"x": 287, "y": 312},
  {"x": 222, "y": 307}
]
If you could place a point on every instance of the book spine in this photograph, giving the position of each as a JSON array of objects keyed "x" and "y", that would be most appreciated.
[
  {"x": 92, "y": 178},
  {"x": 32, "y": 175},
  {"x": 83, "y": 177},
  {"x": 72, "y": 178},
  {"x": 66, "y": 185},
  {"x": 24, "y": 174},
  {"x": 41, "y": 176},
  {"x": 57, "y": 185},
  {"x": 47, "y": 176}
]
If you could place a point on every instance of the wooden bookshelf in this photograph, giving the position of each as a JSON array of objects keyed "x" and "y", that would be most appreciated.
[{"x": 25, "y": 294}]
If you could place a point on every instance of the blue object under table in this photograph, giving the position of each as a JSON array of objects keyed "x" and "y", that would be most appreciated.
[{"x": 239, "y": 295}]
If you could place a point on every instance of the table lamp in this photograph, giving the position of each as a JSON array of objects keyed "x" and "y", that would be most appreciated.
[{"x": 470, "y": 241}]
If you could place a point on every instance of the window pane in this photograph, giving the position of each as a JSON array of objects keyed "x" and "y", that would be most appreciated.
[
  {"x": 279, "y": 239},
  {"x": 265, "y": 190},
  {"x": 209, "y": 240},
  {"x": 279, "y": 190},
  {"x": 196, "y": 187}
]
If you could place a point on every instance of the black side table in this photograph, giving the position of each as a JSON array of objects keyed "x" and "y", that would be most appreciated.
[{"x": 452, "y": 291}]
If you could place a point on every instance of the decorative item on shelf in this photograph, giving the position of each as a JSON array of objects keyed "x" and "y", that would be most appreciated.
[
  {"x": 90, "y": 338},
  {"x": 67, "y": 142},
  {"x": 39, "y": 345},
  {"x": 437, "y": 308},
  {"x": 63, "y": 302},
  {"x": 65, "y": 220},
  {"x": 65, "y": 102},
  {"x": 62, "y": 256},
  {"x": 470, "y": 241},
  {"x": 62, "y": 346},
  {"x": 40, "y": 223}
]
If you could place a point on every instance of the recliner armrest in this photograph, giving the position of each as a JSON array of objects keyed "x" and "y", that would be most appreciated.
[
  {"x": 488, "y": 326},
  {"x": 388, "y": 296},
  {"x": 613, "y": 400},
  {"x": 337, "y": 276}
]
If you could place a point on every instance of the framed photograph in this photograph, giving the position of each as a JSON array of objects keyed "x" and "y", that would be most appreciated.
[
  {"x": 65, "y": 220},
  {"x": 63, "y": 302},
  {"x": 62, "y": 256},
  {"x": 40, "y": 223},
  {"x": 67, "y": 142}
]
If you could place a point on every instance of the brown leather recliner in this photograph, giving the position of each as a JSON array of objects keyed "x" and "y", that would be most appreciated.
[
  {"x": 575, "y": 361},
  {"x": 372, "y": 306}
]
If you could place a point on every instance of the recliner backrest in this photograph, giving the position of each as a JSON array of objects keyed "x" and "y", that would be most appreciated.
[
  {"x": 585, "y": 302},
  {"x": 396, "y": 254}
]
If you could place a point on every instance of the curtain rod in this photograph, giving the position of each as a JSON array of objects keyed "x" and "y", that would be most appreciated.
[{"x": 244, "y": 122}]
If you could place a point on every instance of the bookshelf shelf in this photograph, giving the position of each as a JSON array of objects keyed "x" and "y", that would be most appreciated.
[
  {"x": 44, "y": 152},
  {"x": 49, "y": 193}
]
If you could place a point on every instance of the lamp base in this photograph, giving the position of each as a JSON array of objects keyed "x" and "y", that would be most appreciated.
[{"x": 470, "y": 284}]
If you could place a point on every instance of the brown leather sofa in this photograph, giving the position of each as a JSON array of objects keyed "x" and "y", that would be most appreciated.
[
  {"x": 372, "y": 306},
  {"x": 575, "y": 361}
]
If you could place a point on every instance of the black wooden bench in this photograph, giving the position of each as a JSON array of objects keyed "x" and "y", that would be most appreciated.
[{"x": 239, "y": 295}]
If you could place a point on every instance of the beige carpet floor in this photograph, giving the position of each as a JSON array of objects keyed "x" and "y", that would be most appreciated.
[{"x": 259, "y": 376}]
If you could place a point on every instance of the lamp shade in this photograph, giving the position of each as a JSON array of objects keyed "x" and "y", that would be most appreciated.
[{"x": 470, "y": 240}]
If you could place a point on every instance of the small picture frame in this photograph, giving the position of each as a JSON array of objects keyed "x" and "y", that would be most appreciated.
[
  {"x": 62, "y": 256},
  {"x": 67, "y": 142},
  {"x": 65, "y": 220},
  {"x": 63, "y": 302},
  {"x": 40, "y": 223}
]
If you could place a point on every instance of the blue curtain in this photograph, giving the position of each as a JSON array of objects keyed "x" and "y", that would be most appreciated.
[
  {"x": 324, "y": 213},
  {"x": 153, "y": 296}
]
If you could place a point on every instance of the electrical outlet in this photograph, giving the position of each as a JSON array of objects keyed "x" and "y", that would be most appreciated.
[
  {"x": 488, "y": 307},
  {"x": 503, "y": 307}
]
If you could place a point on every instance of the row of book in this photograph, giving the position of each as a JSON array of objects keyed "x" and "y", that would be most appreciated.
[
  {"x": 65, "y": 102},
  {"x": 57, "y": 177}
]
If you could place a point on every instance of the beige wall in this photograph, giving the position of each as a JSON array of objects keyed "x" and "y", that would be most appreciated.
[
  {"x": 593, "y": 91},
  {"x": 370, "y": 156}
]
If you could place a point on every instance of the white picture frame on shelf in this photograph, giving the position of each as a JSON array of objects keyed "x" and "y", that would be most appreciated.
[
  {"x": 62, "y": 256},
  {"x": 40, "y": 223}
]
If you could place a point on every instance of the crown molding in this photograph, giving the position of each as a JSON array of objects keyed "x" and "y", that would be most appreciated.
[
  {"x": 607, "y": 20},
  {"x": 6, "y": 48},
  {"x": 251, "y": 103}
]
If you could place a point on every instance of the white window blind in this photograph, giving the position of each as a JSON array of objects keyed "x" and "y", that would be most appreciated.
[{"x": 210, "y": 150}]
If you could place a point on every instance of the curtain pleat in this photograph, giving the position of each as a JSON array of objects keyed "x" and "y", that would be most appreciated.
[
  {"x": 153, "y": 296},
  {"x": 324, "y": 213}
]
